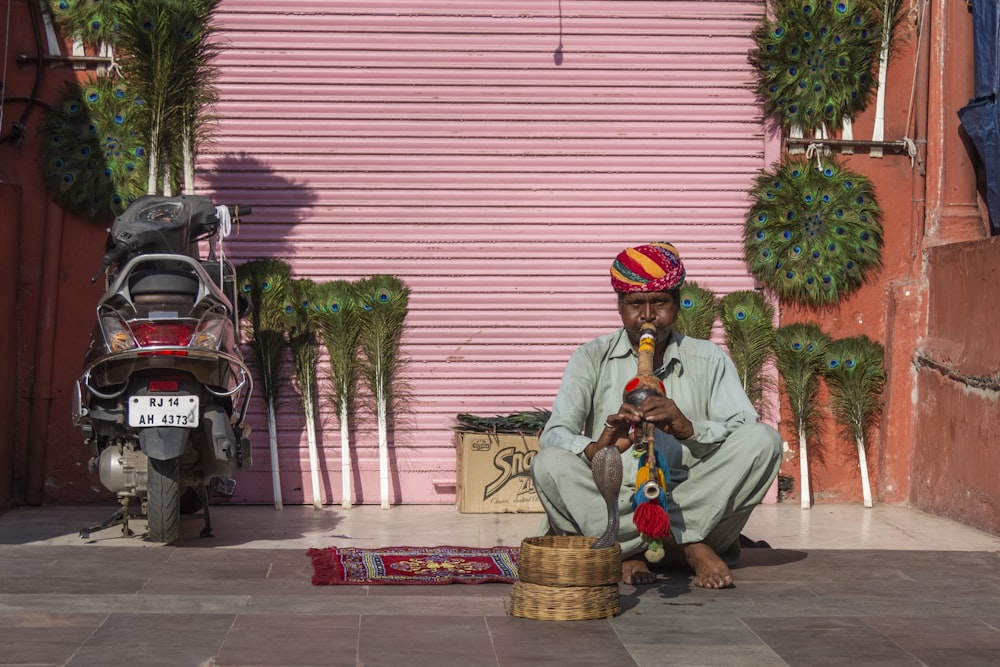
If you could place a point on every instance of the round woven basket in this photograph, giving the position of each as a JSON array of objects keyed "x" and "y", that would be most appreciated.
[
  {"x": 562, "y": 579},
  {"x": 564, "y": 603},
  {"x": 568, "y": 560}
]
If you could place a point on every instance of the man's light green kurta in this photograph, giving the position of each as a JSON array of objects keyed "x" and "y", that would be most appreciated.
[{"x": 716, "y": 477}]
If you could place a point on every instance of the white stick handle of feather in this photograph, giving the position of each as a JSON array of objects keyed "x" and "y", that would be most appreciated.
[
  {"x": 878, "y": 132},
  {"x": 345, "y": 460},
  {"x": 383, "y": 452},
  {"x": 272, "y": 432},
  {"x": 314, "y": 462},
  {"x": 847, "y": 134},
  {"x": 804, "y": 471}
]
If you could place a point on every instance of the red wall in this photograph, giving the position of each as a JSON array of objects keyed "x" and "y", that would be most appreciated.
[{"x": 956, "y": 451}]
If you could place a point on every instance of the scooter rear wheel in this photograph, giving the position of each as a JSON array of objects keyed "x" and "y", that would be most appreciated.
[{"x": 163, "y": 511}]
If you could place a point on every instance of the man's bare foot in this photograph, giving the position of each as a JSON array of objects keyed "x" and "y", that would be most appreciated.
[
  {"x": 636, "y": 572},
  {"x": 709, "y": 570}
]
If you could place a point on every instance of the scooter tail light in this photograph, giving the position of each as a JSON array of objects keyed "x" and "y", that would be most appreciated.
[
  {"x": 208, "y": 335},
  {"x": 117, "y": 335},
  {"x": 155, "y": 334}
]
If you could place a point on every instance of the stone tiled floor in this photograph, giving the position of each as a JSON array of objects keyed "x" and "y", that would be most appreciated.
[{"x": 842, "y": 586}]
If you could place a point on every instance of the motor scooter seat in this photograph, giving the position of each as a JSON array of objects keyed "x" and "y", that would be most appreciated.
[{"x": 156, "y": 283}]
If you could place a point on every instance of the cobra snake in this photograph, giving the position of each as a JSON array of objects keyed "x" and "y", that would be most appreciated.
[{"x": 606, "y": 467}]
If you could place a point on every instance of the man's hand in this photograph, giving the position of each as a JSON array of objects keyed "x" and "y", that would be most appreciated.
[
  {"x": 662, "y": 412},
  {"x": 667, "y": 417}
]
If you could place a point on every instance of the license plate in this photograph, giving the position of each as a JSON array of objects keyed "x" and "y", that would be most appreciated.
[{"x": 163, "y": 411}]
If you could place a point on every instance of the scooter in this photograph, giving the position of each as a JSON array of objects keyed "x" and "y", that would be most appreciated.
[{"x": 164, "y": 390}]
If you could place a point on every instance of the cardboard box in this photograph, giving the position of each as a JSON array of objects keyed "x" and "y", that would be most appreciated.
[{"x": 493, "y": 473}]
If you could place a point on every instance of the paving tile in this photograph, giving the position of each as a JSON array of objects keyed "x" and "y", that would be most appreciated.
[
  {"x": 975, "y": 657},
  {"x": 421, "y": 641},
  {"x": 833, "y": 641},
  {"x": 270, "y": 640},
  {"x": 521, "y": 641},
  {"x": 152, "y": 640},
  {"x": 44, "y": 637},
  {"x": 937, "y": 632},
  {"x": 659, "y": 655}
]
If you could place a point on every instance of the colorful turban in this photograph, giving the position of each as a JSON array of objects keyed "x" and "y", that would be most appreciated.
[{"x": 655, "y": 267}]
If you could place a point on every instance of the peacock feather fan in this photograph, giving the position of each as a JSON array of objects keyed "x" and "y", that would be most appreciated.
[
  {"x": 697, "y": 312},
  {"x": 748, "y": 323},
  {"x": 800, "y": 353},
  {"x": 94, "y": 162},
  {"x": 815, "y": 61},
  {"x": 813, "y": 235},
  {"x": 166, "y": 50},
  {"x": 302, "y": 339},
  {"x": 856, "y": 378},
  {"x": 94, "y": 22},
  {"x": 384, "y": 304},
  {"x": 337, "y": 314},
  {"x": 265, "y": 282}
]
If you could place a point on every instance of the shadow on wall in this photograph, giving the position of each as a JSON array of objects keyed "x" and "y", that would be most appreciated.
[{"x": 276, "y": 201}]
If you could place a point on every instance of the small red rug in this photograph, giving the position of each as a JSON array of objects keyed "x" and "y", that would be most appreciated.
[{"x": 414, "y": 565}]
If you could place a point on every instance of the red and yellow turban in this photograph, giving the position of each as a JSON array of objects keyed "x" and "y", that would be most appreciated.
[{"x": 655, "y": 267}]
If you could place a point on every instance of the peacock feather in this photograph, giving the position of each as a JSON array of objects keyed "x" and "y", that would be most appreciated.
[
  {"x": 800, "y": 354},
  {"x": 94, "y": 162},
  {"x": 812, "y": 235},
  {"x": 856, "y": 378},
  {"x": 697, "y": 312},
  {"x": 265, "y": 282},
  {"x": 337, "y": 313},
  {"x": 384, "y": 303},
  {"x": 814, "y": 61},
  {"x": 94, "y": 22},
  {"x": 748, "y": 323},
  {"x": 166, "y": 51}
]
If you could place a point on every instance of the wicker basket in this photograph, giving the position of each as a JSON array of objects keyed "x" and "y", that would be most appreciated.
[
  {"x": 568, "y": 560},
  {"x": 563, "y": 579},
  {"x": 564, "y": 603}
]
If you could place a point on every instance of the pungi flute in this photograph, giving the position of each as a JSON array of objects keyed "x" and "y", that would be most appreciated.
[{"x": 649, "y": 503}]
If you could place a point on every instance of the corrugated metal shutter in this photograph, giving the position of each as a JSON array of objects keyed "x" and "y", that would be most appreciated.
[{"x": 495, "y": 156}]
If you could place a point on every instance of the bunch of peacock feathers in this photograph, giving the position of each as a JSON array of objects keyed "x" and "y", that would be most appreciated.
[
  {"x": 94, "y": 22},
  {"x": 384, "y": 305},
  {"x": 813, "y": 235},
  {"x": 337, "y": 313},
  {"x": 748, "y": 323},
  {"x": 815, "y": 61},
  {"x": 855, "y": 378},
  {"x": 94, "y": 160},
  {"x": 265, "y": 282},
  {"x": 166, "y": 50},
  {"x": 697, "y": 312},
  {"x": 527, "y": 422},
  {"x": 800, "y": 353}
]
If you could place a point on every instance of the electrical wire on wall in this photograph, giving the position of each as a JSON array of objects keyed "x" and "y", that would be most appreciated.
[{"x": 17, "y": 133}]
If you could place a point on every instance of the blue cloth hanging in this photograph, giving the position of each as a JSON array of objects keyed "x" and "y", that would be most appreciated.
[{"x": 981, "y": 116}]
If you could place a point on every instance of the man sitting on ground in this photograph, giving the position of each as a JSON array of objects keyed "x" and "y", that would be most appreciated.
[{"x": 721, "y": 459}]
